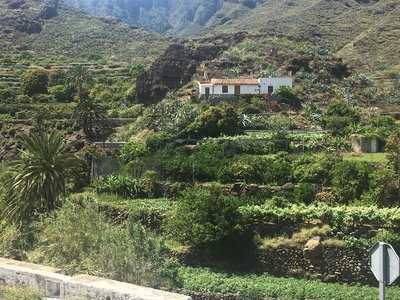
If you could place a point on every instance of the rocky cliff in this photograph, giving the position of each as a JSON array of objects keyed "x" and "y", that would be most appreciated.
[
  {"x": 176, "y": 66},
  {"x": 178, "y": 17}
]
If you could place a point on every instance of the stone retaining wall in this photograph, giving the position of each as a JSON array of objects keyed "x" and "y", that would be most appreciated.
[
  {"x": 58, "y": 286},
  {"x": 329, "y": 264}
]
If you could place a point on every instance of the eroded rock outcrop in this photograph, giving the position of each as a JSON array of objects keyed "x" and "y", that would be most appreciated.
[{"x": 178, "y": 64}]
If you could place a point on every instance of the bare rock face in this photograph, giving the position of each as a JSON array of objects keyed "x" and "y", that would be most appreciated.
[
  {"x": 27, "y": 17},
  {"x": 313, "y": 247},
  {"x": 48, "y": 10},
  {"x": 177, "y": 65}
]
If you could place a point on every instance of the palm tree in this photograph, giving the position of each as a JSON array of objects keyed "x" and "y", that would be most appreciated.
[
  {"x": 78, "y": 76},
  {"x": 89, "y": 116},
  {"x": 40, "y": 177}
]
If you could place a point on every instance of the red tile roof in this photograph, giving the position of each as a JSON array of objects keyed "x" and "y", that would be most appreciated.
[
  {"x": 231, "y": 81},
  {"x": 235, "y": 81}
]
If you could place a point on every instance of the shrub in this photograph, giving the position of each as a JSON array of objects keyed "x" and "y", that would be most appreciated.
[
  {"x": 384, "y": 188},
  {"x": 338, "y": 116},
  {"x": 387, "y": 236},
  {"x": 287, "y": 96},
  {"x": 133, "y": 150},
  {"x": 206, "y": 218},
  {"x": 127, "y": 187},
  {"x": 350, "y": 180},
  {"x": 215, "y": 121},
  {"x": 78, "y": 239},
  {"x": 304, "y": 193},
  {"x": 156, "y": 141},
  {"x": 131, "y": 112},
  {"x": 393, "y": 149},
  {"x": 5, "y": 117},
  {"x": 61, "y": 93},
  {"x": 314, "y": 169},
  {"x": 15, "y": 293},
  {"x": 11, "y": 241},
  {"x": 35, "y": 82},
  {"x": 271, "y": 169}
]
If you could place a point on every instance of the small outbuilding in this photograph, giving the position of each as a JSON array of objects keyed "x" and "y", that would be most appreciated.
[
  {"x": 366, "y": 144},
  {"x": 234, "y": 87}
]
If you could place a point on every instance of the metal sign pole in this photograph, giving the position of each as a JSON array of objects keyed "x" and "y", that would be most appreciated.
[
  {"x": 383, "y": 270},
  {"x": 381, "y": 291}
]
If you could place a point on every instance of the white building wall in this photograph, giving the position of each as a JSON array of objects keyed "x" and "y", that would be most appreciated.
[
  {"x": 217, "y": 89},
  {"x": 249, "y": 89},
  {"x": 275, "y": 82}
]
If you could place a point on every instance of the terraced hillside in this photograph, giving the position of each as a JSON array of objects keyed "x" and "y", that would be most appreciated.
[{"x": 38, "y": 34}]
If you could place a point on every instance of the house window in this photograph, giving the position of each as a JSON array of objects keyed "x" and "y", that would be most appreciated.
[
  {"x": 270, "y": 89},
  {"x": 225, "y": 89}
]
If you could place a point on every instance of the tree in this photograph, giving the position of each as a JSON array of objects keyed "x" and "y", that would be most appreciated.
[
  {"x": 208, "y": 219},
  {"x": 215, "y": 121},
  {"x": 350, "y": 180},
  {"x": 89, "y": 116},
  {"x": 77, "y": 78},
  {"x": 287, "y": 96},
  {"x": 338, "y": 116},
  {"x": 35, "y": 82},
  {"x": 40, "y": 178}
]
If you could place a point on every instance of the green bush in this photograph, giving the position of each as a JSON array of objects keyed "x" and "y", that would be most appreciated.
[
  {"x": 77, "y": 238},
  {"x": 61, "y": 93},
  {"x": 350, "y": 179},
  {"x": 304, "y": 193},
  {"x": 215, "y": 121},
  {"x": 208, "y": 219},
  {"x": 16, "y": 293},
  {"x": 287, "y": 96},
  {"x": 5, "y": 117},
  {"x": 127, "y": 187},
  {"x": 131, "y": 112},
  {"x": 11, "y": 241},
  {"x": 387, "y": 236},
  {"x": 384, "y": 188},
  {"x": 268, "y": 169},
  {"x": 133, "y": 150},
  {"x": 35, "y": 82},
  {"x": 338, "y": 116},
  {"x": 314, "y": 168}
]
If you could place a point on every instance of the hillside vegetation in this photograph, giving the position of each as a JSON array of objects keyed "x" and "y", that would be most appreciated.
[
  {"x": 41, "y": 31},
  {"x": 365, "y": 33}
]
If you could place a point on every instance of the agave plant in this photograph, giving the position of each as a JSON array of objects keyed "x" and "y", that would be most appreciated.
[{"x": 40, "y": 177}]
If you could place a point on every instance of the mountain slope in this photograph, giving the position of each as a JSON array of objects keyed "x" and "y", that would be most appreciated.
[
  {"x": 364, "y": 33},
  {"x": 176, "y": 17},
  {"x": 41, "y": 31}
]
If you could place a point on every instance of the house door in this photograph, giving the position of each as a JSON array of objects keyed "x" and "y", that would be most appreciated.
[
  {"x": 270, "y": 89},
  {"x": 237, "y": 90},
  {"x": 207, "y": 92}
]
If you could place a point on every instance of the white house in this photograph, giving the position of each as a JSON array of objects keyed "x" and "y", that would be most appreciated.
[{"x": 229, "y": 88}]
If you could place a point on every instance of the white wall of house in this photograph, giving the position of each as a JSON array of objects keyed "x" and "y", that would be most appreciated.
[
  {"x": 276, "y": 83},
  {"x": 203, "y": 86},
  {"x": 248, "y": 89}
]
